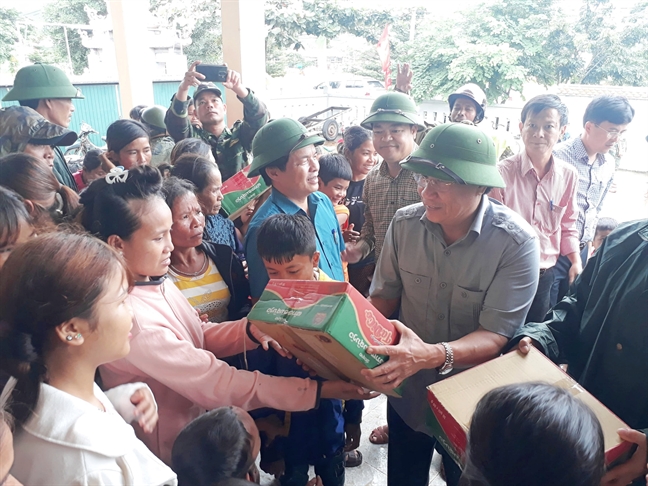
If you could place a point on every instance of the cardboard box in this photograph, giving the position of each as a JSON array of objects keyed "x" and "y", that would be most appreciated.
[
  {"x": 239, "y": 191},
  {"x": 327, "y": 325},
  {"x": 454, "y": 399}
]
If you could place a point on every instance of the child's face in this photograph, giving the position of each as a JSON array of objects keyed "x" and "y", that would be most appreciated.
[
  {"x": 336, "y": 189},
  {"x": 301, "y": 267},
  {"x": 599, "y": 237}
]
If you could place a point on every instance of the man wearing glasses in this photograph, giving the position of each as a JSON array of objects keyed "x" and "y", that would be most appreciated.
[
  {"x": 463, "y": 270},
  {"x": 604, "y": 124}
]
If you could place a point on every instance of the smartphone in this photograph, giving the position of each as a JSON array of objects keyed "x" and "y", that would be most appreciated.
[{"x": 213, "y": 72}]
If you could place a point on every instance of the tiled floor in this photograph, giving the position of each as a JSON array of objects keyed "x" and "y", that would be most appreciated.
[{"x": 373, "y": 471}]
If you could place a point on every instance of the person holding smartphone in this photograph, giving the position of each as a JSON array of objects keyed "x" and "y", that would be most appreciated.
[{"x": 231, "y": 146}]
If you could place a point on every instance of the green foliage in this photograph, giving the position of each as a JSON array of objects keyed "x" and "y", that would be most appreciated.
[
  {"x": 69, "y": 12},
  {"x": 8, "y": 36},
  {"x": 201, "y": 23}
]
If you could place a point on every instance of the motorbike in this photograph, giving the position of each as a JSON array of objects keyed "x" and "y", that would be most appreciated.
[{"x": 76, "y": 152}]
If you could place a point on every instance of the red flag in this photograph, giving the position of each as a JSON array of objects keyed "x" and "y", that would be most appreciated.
[{"x": 383, "y": 53}]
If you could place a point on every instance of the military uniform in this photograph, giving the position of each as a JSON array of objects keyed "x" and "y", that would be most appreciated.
[
  {"x": 231, "y": 149},
  {"x": 42, "y": 81},
  {"x": 20, "y": 125},
  {"x": 161, "y": 147}
]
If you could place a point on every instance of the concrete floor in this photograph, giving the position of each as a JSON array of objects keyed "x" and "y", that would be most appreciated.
[{"x": 373, "y": 471}]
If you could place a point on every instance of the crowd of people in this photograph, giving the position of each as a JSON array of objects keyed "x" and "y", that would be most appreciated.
[{"x": 127, "y": 356}]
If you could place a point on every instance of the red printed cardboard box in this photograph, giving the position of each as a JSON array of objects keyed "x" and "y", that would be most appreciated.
[
  {"x": 454, "y": 399},
  {"x": 327, "y": 325},
  {"x": 239, "y": 191}
]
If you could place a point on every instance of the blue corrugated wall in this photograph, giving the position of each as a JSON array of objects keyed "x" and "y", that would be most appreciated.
[{"x": 101, "y": 107}]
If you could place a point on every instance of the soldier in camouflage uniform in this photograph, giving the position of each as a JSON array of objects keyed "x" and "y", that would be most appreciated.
[
  {"x": 24, "y": 130},
  {"x": 230, "y": 147},
  {"x": 161, "y": 143},
  {"x": 48, "y": 90}
]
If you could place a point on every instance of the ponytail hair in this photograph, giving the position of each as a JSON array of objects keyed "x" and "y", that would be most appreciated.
[
  {"x": 44, "y": 283},
  {"x": 106, "y": 209},
  {"x": 34, "y": 180}
]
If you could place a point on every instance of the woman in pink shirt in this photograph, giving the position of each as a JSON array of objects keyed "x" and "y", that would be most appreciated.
[{"x": 172, "y": 350}]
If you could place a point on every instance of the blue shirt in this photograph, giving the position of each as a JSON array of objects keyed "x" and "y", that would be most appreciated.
[{"x": 327, "y": 231}]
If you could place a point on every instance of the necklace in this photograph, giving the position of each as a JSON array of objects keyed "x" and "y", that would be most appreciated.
[{"x": 202, "y": 270}]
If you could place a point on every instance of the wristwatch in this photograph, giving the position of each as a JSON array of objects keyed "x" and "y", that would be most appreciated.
[{"x": 448, "y": 365}]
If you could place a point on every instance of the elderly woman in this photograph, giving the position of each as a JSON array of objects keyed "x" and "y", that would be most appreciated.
[{"x": 208, "y": 274}]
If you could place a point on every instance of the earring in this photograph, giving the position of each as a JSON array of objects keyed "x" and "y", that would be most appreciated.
[
  {"x": 68, "y": 338},
  {"x": 78, "y": 335}
]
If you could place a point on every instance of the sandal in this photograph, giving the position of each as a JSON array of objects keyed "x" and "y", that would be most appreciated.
[
  {"x": 352, "y": 458},
  {"x": 380, "y": 435}
]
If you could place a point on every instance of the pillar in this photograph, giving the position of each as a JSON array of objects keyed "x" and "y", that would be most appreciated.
[
  {"x": 134, "y": 57},
  {"x": 244, "y": 32}
]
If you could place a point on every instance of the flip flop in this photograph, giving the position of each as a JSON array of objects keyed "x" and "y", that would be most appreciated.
[
  {"x": 352, "y": 458},
  {"x": 380, "y": 435}
]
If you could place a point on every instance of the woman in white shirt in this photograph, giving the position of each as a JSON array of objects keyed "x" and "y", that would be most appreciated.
[{"x": 63, "y": 312}]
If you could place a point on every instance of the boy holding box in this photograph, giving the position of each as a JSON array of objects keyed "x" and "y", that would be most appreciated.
[{"x": 286, "y": 245}]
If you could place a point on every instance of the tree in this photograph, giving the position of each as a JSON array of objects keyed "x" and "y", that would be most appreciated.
[
  {"x": 201, "y": 23},
  {"x": 8, "y": 36},
  {"x": 70, "y": 12}
]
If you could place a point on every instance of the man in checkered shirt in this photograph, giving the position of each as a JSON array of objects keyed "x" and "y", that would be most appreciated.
[{"x": 604, "y": 123}]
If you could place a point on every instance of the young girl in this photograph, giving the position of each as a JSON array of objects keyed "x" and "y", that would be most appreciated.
[
  {"x": 47, "y": 201},
  {"x": 15, "y": 223},
  {"x": 94, "y": 167},
  {"x": 63, "y": 312},
  {"x": 360, "y": 152},
  {"x": 128, "y": 144},
  {"x": 172, "y": 350}
]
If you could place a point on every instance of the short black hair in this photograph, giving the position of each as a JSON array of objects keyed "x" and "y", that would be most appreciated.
[
  {"x": 537, "y": 428},
  {"x": 174, "y": 187},
  {"x": 211, "y": 448},
  {"x": 355, "y": 136},
  {"x": 606, "y": 224},
  {"x": 334, "y": 166},
  {"x": 614, "y": 109},
  {"x": 280, "y": 164},
  {"x": 33, "y": 104},
  {"x": 92, "y": 160},
  {"x": 546, "y": 101},
  {"x": 190, "y": 146},
  {"x": 194, "y": 168},
  {"x": 282, "y": 236}
]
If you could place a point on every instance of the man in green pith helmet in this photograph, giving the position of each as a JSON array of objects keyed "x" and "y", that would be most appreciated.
[
  {"x": 284, "y": 155},
  {"x": 230, "y": 147},
  {"x": 463, "y": 269},
  {"x": 48, "y": 90},
  {"x": 394, "y": 123},
  {"x": 161, "y": 143}
]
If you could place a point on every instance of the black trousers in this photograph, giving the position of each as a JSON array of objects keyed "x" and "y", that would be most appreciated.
[
  {"x": 409, "y": 455},
  {"x": 542, "y": 300},
  {"x": 561, "y": 276}
]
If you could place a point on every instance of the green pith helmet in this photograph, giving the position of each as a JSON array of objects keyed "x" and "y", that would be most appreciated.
[
  {"x": 39, "y": 82},
  {"x": 154, "y": 115},
  {"x": 277, "y": 139},
  {"x": 473, "y": 93},
  {"x": 393, "y": 107},
  {"x": 457, "y": 152}
]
